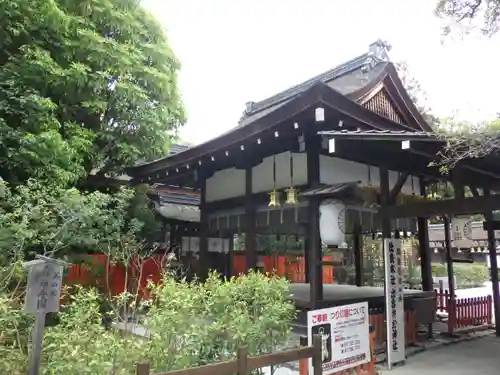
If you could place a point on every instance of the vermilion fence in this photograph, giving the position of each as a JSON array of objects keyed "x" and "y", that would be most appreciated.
[
  {"x": 291, "y": 267},
  {"x": 464, "y": 312},
  {"x": 95, "y": 269},
  {"x": 377, "y": 321}
]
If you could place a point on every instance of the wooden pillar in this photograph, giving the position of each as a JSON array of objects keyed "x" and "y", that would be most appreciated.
[
  {"x": 449, "y": 258},
  {"x": 384, "y": 200},
  {"x": 423, "y": 240},
  {"x": 493, "y": 266},
  {"x": 203, "y": 247},
  {"x": 314, "y": 255},
  {"x": 250, "y": 211},
  {"x": 451, "y": 278},
  {"x": 425, "y": 255},
  {"x": 358, "y": 254},
  {"x": 231, "y": 256}
]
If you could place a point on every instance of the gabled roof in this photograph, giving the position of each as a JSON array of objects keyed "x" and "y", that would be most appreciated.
[
  {"x": 346, "y": 78},
  {"x": 345, "y": 90},
  {"x": 360, "y": 79}
]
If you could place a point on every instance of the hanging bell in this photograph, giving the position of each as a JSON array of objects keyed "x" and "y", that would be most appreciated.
[
  {"x": 274, "y": 198},
  {"x": 291, "y": 196}
]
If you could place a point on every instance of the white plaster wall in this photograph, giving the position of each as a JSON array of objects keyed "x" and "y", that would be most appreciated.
[
  {"x": 230, "y": 183},
  {"x": 262, "y": 174},
  {"x": 334, "y": 170}
]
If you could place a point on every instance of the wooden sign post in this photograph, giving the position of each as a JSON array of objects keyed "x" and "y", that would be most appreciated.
[{"x": 42, "y": 296}]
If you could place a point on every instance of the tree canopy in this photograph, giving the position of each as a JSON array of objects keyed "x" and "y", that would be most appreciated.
[
  {"x": 84, "y": 85},
  {"x": 464, "y": 139},
  {"x": 484, "y": 14}
]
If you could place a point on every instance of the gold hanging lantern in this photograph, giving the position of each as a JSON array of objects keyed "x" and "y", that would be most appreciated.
[
  {"x": 274, "y": 198},
  {"x": 291, "y": 192},
  {"x": 291, "y": 196}
]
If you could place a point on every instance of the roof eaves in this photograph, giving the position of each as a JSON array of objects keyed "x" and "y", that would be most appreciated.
[
  {"x": 331, "y": 74},
  {"x": 297, "y": 105},
  {"x": 382, "y": 134}
]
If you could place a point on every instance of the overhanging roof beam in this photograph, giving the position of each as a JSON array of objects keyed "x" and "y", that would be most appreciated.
[{"x": 465, "y": 206}]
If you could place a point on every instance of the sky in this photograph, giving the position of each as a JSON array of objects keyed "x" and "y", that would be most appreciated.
[{"x": 236, "y": 51}]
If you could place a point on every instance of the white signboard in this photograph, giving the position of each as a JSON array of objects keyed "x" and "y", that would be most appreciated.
[
  {"x": 345, "y": 334},
  {"x": 394, "y": 301},
  {"x": 461, "y": 231},
  {"x": 44, "y": 287}
]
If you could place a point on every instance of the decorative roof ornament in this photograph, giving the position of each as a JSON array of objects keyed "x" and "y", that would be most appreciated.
[
  {"x": 380, "y": 50},
  {"x": 377, "y": 52},
  {"x": 249, "y": 106}
]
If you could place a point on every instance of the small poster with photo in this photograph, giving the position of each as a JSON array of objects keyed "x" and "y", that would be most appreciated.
[{"x": 324, "y": 330}]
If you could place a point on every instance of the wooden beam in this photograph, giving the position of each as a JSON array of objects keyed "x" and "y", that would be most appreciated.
[
  {"x": 384, "y": 200},
  {"x": 425, "y": 255},
  {"x": 473, "y": 205},
  {"x": 314, "y": 256},
  {"x": 358, "y": 254},
  {"x": 463, "y": 167},
  {"x": 397, "y": 187},
  {"x": 488, "y": 214},
  {"x": 494, "y": 224},
  {"x": 203, "y": 246},
  {"x": 392, "y": 158},
  {"x": 250, "y": 225}
]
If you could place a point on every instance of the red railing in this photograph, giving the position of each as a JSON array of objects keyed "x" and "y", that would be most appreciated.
[
  {"x": 464, "y": 312},
  {"x": 95, "y": 269},
  {"x": 377, "y": 321},
  {"x": 291, "y": 267}
]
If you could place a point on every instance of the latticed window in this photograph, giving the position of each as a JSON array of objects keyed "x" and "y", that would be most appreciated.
[{"x": 381, "y": 105}]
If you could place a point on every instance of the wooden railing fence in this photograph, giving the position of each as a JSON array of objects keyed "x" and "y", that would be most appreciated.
[
  {"x": 465, "y": 313},
  {"x": 244, "y": 363}
]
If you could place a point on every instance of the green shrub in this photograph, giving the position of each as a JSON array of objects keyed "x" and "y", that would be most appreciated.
[
  {"x": 189, "y": 324},
  {"x": 466, "y": 275}
]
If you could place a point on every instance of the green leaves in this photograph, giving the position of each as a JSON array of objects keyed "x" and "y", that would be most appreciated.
[
  {"x": 43, "y": 218},
  {"x": 190, "y": 324},
  {"x": 84, "y": 85},
  {"x": 470, "y": 15}
]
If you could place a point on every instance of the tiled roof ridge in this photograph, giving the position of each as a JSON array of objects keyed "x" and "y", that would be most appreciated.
[
  {"x": 372, "y": 57},
  {"x": 377, "y": 131}
]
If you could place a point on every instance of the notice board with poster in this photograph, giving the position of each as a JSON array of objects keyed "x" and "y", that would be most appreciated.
[
  {"x": 394, "y": 301},
  {"x": 345, "y": 336}
]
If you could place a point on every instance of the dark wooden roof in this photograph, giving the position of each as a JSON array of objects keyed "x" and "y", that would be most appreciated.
[
  {"x": 347, "y": 79},
  {"x": 381, "y": 134},
  {"x": 176, "y": 195},
  {"x": 346, "y": 93},
  {"x": 175, "y": 148}
]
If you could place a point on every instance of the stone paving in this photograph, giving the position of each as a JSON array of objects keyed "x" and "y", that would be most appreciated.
[{"x": 478, "y": 356}]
